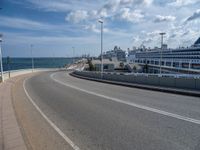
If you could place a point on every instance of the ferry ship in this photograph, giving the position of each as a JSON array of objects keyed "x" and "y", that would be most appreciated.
[{"x": 184, "y": 60}]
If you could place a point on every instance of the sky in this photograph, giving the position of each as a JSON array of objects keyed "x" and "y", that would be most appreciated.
[{"x": 53, "y": 27}]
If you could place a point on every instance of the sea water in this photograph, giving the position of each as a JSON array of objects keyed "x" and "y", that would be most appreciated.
[{"x": 26, "y": 63}]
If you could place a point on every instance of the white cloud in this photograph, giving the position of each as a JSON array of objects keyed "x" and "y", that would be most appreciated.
[
  {"x": 154, "y": 33},
  {"x": 175, "y": 36},
  {"x": 110, "y": 10},
  {"x": 36, "y": 26},
  {"x": 21, "y": 23},
  {"x": 179, "y": 3},
  {"x": 103, "y": 13},
  {"x": 126, "y": 2},
  {"x": 77, "y": 16},
  {"x": 196, "y": 15},
  {"x": 94, "y": 28},
  {"x": 147, "y": 41},
  {"x": 62, "y": 5},
  {"x": 141, "y": 15},
  {"x": 136, "y": 2},
  {"x": 148, "y": 2},
  {"x": 160, "y": 18},
  {"x": 179, "y": 35},
  {"x": 112, "y": 7},
  {"x": 48, "y": 5},
  {"x": 93, "y": 14},
  {"x": 40, "y": 40},
  {"x": 131, "y": 16}
]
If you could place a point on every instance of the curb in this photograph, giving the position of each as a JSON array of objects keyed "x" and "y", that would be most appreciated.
[
  {"x": 140, "y": 86},
  {"x": 11, "y": 133}
]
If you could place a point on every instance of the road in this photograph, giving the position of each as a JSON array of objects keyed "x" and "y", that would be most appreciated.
[{"x": 96, "y": 116}]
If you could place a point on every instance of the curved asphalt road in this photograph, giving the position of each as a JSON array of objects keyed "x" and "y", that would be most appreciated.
[{"x": 87, "y": 113}]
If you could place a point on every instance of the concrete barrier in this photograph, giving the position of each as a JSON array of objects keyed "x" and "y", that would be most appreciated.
[
  {"x": 185, "y": 83},
  {"x": 198, "y": 84},
  {"x": 173, "y": 82},
  {"x": 167, "y": 82},
  {"x": 153, "y": 80},
  {"x": 127, "y": 78},
  {"x": 141, "y": 79},
  {"x": 132, "y": 79}
]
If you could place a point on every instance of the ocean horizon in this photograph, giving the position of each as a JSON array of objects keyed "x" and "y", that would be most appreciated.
[{"x": 15, "y": 63}]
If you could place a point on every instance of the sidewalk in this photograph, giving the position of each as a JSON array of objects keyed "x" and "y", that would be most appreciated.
[{"x": 10, "y": 134}]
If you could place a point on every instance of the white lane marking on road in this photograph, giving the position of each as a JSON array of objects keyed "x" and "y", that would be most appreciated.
[
  {"x": 74, "y": 146},
  {"x": 180, "y": 117}
]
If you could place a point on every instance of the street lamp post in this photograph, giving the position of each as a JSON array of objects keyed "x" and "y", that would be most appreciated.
[
  {"x": 162, "y": 34},
  {"x": 32, "y": 60},
  {"x": 2, "y": 79},
  {"x": 73, "y": 54},
  {"x": 100, "y": 21}
]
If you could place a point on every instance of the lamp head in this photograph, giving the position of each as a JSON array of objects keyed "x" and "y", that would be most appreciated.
[
  {"x": 1, "y": 36},
  {"x": 100, "y": 21},
  {"x": 162, "y": 33}
]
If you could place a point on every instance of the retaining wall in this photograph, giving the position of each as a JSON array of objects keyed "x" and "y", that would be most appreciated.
[{"x": 173, "y": 82}]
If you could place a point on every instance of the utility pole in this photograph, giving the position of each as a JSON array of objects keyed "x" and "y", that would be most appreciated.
[
  {"x": 1, "y": 36},
  {"x": 101, "y": 22},
  {"x": 161, "y": 53}
]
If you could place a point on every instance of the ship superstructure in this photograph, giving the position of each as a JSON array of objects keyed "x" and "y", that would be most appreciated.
[{"x": 180, "y": 59}]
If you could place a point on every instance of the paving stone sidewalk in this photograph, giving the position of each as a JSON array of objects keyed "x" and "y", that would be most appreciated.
[{"x": 10, "y": 134}]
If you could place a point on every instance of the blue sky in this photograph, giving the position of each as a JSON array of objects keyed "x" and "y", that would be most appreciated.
[{"x": 55, "y": 26}]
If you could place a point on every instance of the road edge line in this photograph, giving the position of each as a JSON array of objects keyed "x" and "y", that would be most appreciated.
[
  {"x": 142, "y": 86},
  {"x": 74, "y": 146},
  {"x": 165, "y": 113}
]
